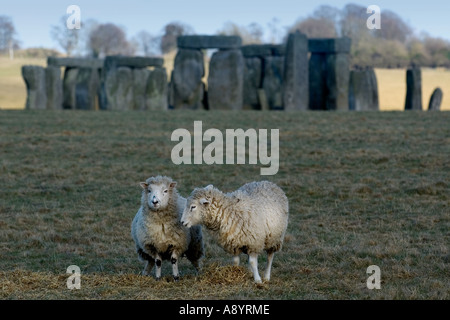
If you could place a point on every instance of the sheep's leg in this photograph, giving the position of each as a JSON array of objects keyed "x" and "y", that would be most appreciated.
[
  {"x": 269, "y": 265},
  {"x": 253, "y": 259},
  {"x": 196, "y": 265},
  {"x": 158, "y": 261},
  {"x": 236, "y": 260},
  {"x": 174, "y": 260},
  {"x": 148, "y": 267}
]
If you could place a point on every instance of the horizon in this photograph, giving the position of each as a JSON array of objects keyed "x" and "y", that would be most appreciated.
[{"x": 136, "y": 15}]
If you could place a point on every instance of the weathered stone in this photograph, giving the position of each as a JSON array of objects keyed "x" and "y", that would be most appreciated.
[
  {"x": 255, "y": 50},
  {"x": 338, "y": 76},
  {"x": 131, "y": 62},
  {"x": 317, "y": 82},
  {"x": 186, "y": 89},
  {"x": 329, "y": 75},
  {"x": 263, "y": 50},
  {"x": 363, "y": 90},
  {"x": 273, "y": 81},
  {"x": 252, "y": 83},
  {"x": 75, "y": 62},
  {"x": 295, "y": 81},
  {"x": 226, "y": 80},
  {"x": 34, "y": 77},
  {"x": 413, "y": 99},
  {"x": 156, "y": 90},
  {"x": 54, "y": 88},
  {"x": 435, "y": 100},
  {"x": 69, "y": 84},
  {"x": 335, "y": 45},
  {"x": 209, "y": 42},
  {"x": 119, "y": 89},
  {"x": 140, "y": 78},
  {"x": 86, "y": 88}
]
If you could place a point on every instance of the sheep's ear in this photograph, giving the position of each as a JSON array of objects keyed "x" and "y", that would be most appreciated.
[
  {"x": 204, "y": 201},
  {"x": 144, "y": 185},
  {"x": 209, "y": 187},
  {"x": 172, "y": 185}
]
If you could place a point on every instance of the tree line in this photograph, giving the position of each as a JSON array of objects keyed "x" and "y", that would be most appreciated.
[{"x": 395, "y": 45}]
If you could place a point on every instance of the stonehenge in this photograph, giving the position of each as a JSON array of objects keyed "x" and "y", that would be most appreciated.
[{"x": 302, "y": 74}]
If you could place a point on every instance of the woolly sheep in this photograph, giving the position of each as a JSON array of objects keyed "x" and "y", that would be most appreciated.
[
  {"x": 249, "y": 220},
  {"x": 157, "y": 231}
]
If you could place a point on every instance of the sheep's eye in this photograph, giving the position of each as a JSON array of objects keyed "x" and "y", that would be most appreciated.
[
  {"x": 149, "y": 191},
  {"x": 165, "y": 191},
  {"x": 193, "y": 207}
]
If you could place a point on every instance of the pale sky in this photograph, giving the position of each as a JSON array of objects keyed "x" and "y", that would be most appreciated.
[{"x": 33, "y": 19}]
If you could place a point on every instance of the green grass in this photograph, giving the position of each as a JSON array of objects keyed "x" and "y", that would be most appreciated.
[{"x": 364, "y": 188}]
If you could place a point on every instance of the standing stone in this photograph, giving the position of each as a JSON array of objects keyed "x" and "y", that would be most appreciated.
[
  {"x": 329, "y": 73},
  {"x": 317, "y": 85},
  {"x": 54, "y": 88},
  {"x": 252, "y": 83},
  {"x": 363, "y": 90},
  {"x": 34, "y": 77},
  {"x": 119, "y": 89},
  {"x": 435, "y": 100},
  {"x": 295, "y": 82},
  {"x": 338, "y": 76},
  {"x": 69, "y": 84},
  {"x": 140, "y": 78},
  {"x": 86, "y": 88},
  {"x": 226, "y": 80},
  {"x": 413, "y": 89},
  {"x": 273, "y": 81},
  {"x": 156, "y": 90},
  {"x": 186, "y": 90}
]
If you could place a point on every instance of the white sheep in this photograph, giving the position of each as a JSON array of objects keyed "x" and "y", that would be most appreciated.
[
  {"x": 249, "y": 220},
  {"x": 157, "y": 231}
]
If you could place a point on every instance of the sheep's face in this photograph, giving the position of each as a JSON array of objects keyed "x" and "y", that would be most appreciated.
[
  {"x": 196, "y": 206},
  {"x": 157, "y": 194}
]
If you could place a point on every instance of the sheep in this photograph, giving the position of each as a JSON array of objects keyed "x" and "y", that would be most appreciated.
[
  {"x": 157, "y": 231},
  {"x": 249, "y": 220}
]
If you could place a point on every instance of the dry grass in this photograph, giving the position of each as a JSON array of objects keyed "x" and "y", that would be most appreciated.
[
  {"x": 392, "y": 87},
  {"x": 13, "y": 92},
  {"x": 364, "y": 188}
]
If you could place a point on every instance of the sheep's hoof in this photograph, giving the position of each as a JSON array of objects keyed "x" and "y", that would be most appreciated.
[
  {"x": 157, "y": 278},
  {"x": 176, "y": 278}
]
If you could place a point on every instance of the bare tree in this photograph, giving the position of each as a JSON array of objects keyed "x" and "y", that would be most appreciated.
[
  {"x": 8, "y": 39},
  {"x": 171, "y": 32},
  {"x": 393, "y": 27},
  {"x": 275, "y": 32},
  {"x": 252, "y": 34},
  {"x": 316, "y": 28},
  {"x": 147, "y": 43},
  {"x": 66, "y": 38},
  {"x": 109, "y": 39}
]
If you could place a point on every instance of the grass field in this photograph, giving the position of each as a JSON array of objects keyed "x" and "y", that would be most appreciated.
[
  {"x": 364, "y": 189},
  {"x": 391, "y": 84}
]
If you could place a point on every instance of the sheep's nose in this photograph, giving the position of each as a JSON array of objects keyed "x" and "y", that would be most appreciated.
[{"x": 155, "y": 201}]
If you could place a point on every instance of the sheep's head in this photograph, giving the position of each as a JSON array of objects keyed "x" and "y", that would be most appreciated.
[
  {"x": 196, "y": 206},
  {"x": 157, "y": 192}
]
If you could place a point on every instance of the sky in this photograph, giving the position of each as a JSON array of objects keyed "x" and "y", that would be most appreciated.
[{"x": 33, "y": 19}]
